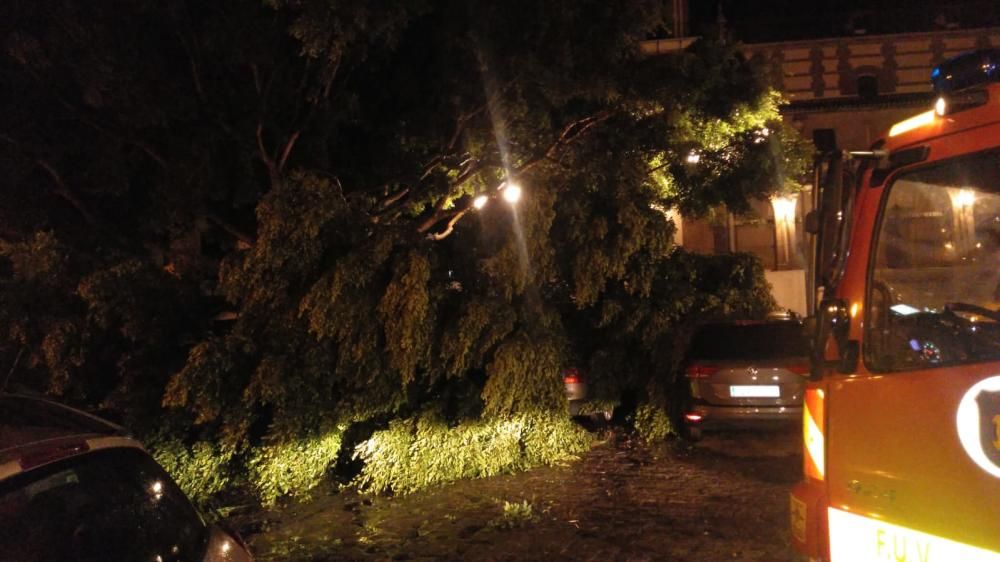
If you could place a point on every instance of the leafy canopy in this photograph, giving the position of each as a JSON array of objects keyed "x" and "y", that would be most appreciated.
[{"x": 252, "y": 221}]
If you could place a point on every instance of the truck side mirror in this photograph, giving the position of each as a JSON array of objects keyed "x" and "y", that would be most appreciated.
[
  {"x": 812, "y": 222},
  {"x": 833, "y": 323}
]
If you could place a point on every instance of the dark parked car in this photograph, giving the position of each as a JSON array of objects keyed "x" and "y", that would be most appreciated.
[
  {"x": 745, "y": 374},
  {"x": 577, "y": 395},
  {"x": 74, "y": 487}
]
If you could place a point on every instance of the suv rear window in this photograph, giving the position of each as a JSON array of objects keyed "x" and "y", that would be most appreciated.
[
  {"x": 750, "y": 341},
  {"x": 114, "y": 504}
]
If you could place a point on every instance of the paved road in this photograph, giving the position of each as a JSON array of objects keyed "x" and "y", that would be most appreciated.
[{"x": 725, "y": 499}]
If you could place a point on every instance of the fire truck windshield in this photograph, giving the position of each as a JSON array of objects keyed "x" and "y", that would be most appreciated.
[{"x": 935, "y": 279}]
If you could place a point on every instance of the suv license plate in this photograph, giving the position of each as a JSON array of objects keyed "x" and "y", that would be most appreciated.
[{"x": 755, "y": 391}]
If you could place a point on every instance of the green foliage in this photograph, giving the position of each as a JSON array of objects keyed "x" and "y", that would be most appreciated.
[
  {"x": 201, "y": 470},
  {"x": 272, "y": 470},
  {"x": 599, "y": 406},
  {"x": 514, "y": 515},
  {"x": 220, "y": 217},
  {"x": 403, "y": 311},
  {"x": 295, "y": 468},
  {"x": 524, "y": 374},
  {"x": 653, "y": 424},
  {"x": 413, "y": 454},
  {"x": 40, "y": 259}
]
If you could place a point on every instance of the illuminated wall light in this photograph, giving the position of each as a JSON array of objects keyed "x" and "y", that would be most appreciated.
[
  {"x": 963, "y": 221},
  {"x": 940, "y": 106},
  {"x": 480, "y": 201},
  {"x": 912, "y": 123},
  {"x": 784, "y": 208},
  {"x": 965, "y": 198},
  {"x": 784, "y": 226}
]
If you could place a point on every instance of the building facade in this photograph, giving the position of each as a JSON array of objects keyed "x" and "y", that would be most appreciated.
[{"x": 856, "y": 86}]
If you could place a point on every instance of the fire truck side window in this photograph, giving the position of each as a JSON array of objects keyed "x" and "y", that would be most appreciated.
[{"x": 935, "y": 284}]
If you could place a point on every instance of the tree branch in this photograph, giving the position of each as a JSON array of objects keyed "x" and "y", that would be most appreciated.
[
  {"x": 83, "y": 117},
  {"x": 190, "y": 45},
  {"x": 569, "y": 134},
  {"x": 438, "y": 215},
  {"x": 457, "y": 216},
  {"x": 462, "y": 122},
  {"x": 256, "y": 78},
  {"x": 264, "y": 156},
  {"x": 288, "y": 150},
  {"x": 13, "y": 367},
  {"x": 392, "y": 199},
  {"x": 63, "y": 191},
  {"x": 236, "y": 232},
  {"x": 577, "y": 129},
  {"x": 61, "y": 188}
]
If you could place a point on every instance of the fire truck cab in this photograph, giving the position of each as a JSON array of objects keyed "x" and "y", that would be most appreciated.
[{"x": 901, "y": 424}]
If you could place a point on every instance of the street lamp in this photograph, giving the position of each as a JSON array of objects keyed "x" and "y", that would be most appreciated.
[{"x": 512, "y": 193}]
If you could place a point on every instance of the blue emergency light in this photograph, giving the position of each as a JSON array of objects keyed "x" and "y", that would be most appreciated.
[{"x": 967, "y": 70}]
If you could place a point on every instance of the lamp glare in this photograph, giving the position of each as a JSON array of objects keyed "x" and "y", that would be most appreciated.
[{"x": 512, "y": 193}]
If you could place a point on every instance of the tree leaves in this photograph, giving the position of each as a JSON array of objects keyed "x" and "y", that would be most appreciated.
[{"x": 246, "y": 220}]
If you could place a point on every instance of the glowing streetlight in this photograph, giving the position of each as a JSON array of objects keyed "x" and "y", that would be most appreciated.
[
  {"x": 512, "y": 193},
  {"x": 480, "y": 201},
  {"x": 693, "y": 157}
]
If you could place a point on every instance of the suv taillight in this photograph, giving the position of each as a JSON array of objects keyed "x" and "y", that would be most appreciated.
[
  {"x": 572, "y": 376},
  {"x": 699, "y": 371}
]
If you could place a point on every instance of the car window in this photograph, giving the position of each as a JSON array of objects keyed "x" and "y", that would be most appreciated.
[
  {"x": 115, "y": 504},
  {"x": 750, "y": 341}
]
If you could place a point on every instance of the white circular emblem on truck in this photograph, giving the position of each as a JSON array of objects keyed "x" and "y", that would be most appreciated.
[{"x": 978, "y": 422}]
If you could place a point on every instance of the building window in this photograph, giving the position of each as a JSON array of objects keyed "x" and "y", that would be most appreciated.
[{"x": 867, "y": 86}]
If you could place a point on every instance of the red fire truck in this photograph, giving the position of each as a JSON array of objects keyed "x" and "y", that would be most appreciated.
[{"x": 901, "y": 424}]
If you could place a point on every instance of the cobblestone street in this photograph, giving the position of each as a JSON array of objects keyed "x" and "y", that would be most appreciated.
[{"x": 724, "y": 499}]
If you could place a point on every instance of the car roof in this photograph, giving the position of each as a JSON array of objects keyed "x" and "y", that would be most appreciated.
[
  {"x": 27, "y": 420},
  {"x": 35, "y": 432},
  {"x": 757, "y": 340}
]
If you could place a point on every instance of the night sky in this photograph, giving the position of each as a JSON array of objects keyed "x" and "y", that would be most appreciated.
[{"x": 775, "y": 20}]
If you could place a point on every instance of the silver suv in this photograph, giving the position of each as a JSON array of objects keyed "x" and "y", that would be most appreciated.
[{"x": 745, "y": 374}]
